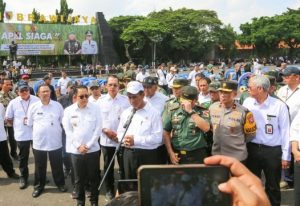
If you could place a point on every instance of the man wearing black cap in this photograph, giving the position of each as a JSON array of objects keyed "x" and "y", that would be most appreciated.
[
  {"x": 89, "y": 46},
  {"x": 16, "y": 114},
  {"x": 290, "y": 94},
  {"x": 155, "y": 98},
  {"x": 233, "y": 125},
  {"x": 188, "y": 125},
  {"x": 72, "y": 46}
]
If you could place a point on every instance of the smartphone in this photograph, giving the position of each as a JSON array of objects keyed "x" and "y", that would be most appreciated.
[{"x": 174, "y": 185}]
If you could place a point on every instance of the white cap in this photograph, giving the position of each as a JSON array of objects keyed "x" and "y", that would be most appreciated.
[{"x": 134, "y": 87}]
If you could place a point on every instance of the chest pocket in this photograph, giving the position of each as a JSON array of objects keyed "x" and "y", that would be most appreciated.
[{"x": 192, "y": 128}]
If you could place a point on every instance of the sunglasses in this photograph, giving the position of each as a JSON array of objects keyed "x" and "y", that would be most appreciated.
[{"x": 83, "y": 96}]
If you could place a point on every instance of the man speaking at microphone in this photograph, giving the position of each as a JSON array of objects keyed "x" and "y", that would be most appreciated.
[{"x": 144, "y": 134}]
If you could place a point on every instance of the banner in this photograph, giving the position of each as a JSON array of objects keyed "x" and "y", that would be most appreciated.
[{"x": 49, "y": 39}]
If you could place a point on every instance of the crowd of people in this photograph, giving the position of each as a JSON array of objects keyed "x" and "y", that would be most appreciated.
[{"x": 159, "y": 118}]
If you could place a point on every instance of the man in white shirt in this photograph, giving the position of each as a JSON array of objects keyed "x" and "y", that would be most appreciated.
[
  {"x": 62, "y": 83},
  {"x": 16, "y": 115},
  {"x": 95, "y": 91},
  {"x": 269, "y": 151},
  {"x": 5, "y": 160},
  {"x": 155, "y": 98},
  {"x": 204, "y": 96},
  {"x": 144, "y": 134},
  {"x": 192, "y": 74},
  {"x": 112, "y": 105},
  {"x": 170, "y": 78},
  {"x": 82, "y": 123},
  {"x": 45, "y": 118},
  {"x": 142, "y": 75},
  {"x": 161, "y": 75},
  {"x": 290, "y": 94}
]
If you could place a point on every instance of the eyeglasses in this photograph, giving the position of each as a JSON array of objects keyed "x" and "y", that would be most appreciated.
[
  {"x": 112, "y": 85},
  {"x": 83, "y": 96}
]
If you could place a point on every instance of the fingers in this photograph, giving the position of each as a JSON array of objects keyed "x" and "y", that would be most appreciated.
[{"x": 236, "y": 168}]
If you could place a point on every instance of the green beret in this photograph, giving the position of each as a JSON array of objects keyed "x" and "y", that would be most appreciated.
[
  {"x": 228, "y": 86},
  {"x": 189, "y": 93},
  {"x": 180, "y": 82},
  {"x": 149, "y": 81}
]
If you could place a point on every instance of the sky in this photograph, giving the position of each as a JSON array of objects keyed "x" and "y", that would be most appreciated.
[{"x": 234, "y": 12}]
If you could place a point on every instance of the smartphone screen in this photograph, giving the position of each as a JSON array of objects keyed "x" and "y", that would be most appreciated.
[{"x": 178, "y": 185}]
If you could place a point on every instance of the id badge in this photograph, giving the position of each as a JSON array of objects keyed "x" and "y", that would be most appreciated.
[
  {"x": 25, "y": 120},
  {"x": 269, "y": 129}
]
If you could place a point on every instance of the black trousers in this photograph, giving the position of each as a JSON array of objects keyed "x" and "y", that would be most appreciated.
[
  {"x": 67, "y": 163},
  {"x": 133, "y": 158},
  {"x": 192, "y": 157},
  {"x": 86, "y": 168},
  {"x": 40, "y": 160},
  {"x": 108, "y": 153},
  {"x": 266, "y": 159},
  {"x": 297, "y": 183},
  {"x": 24, "y": 149},
  {"x": 162, "y": 154},
  {"x": 12, "y": 141},
  {"x": 5, "y": 160}
]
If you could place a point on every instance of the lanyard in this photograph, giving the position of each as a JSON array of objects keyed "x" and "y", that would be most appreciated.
[
  {"x": 287, "y": 91},
  {"x": 25, "y": 111}
]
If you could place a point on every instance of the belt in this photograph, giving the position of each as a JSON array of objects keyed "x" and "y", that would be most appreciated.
[
  {"x": 185, "y": 152},
  {"x": 262, "y": 145}
]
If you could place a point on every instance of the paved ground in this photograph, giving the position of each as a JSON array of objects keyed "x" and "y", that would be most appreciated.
[{"x": 11, "y": 195}]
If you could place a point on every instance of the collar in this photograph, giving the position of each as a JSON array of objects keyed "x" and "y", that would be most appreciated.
[
  {"x": 267, "y": 102},
  {"x": 110, "y": 98}
]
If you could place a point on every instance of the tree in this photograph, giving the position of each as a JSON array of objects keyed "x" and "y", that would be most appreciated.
[
  {"x": 226, "y": 38},
  {"x": 65, "y": 11},
  {"x": 2, "y": 10},
  {"x": 35, "y": 16}
]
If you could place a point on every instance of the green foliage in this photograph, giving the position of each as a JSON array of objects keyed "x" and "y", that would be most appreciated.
[
  {"x": 2, "y": 10},
  {"x": 183, "y": 34},
  {"x": 265, "y": 33},
  {"x": 64, "y": 11}
]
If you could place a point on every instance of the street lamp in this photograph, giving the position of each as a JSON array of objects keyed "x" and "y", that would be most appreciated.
[{"x": 155, "y": 39}]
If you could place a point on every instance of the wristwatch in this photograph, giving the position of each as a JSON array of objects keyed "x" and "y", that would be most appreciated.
[{"x": 192, "y": 112}]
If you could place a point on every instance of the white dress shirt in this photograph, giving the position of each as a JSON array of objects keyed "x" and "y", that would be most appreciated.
[
  {"x": 274, "y": 113},
  {"x": 146, "y": 127},
  {"x": 203, "y": 98},
  {"x": 17, "y": 110},
  {"x": 170, "y": 78},
  {"x": 111, "y": 110},
  {"x": 295, "y": 130},
  {"x": 140, "y": 76},
  {"x": 191, "y": 77},
  {"x": 157, "y": 101},
  {"x": 291, "y": 98},
  {"x": 63, "y": 83},
  {"x": 161, "y": 77},
  {"x": 3, "y": 136},
  {"x": 82, "y": 127},
  {"x": 92, "y": 99},
  {"x": 46, "y": 125}
]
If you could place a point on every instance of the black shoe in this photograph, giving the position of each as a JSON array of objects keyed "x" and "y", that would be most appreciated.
[
  {"x": 37, "y": 192},
  {"x": 62, "y": 188},
  {"x": 22, "y": 183},
  {"x": 88, "y": 193},
  {"x": 74, "y": 194},
  {"x": 80, "y": 203},
  {"x": 14, "y": 176},
  {"x": 109, "y": 196}
]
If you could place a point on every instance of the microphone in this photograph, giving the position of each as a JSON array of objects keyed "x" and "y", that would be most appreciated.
[{"x": 127, "y": 123}]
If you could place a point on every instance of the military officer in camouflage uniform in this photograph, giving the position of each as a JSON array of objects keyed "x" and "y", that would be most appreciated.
[
  {"x": 6, "y": 95},
  {"x": 72, "y": 46},
  {"x": 233, "y": 125},
  {"x": 184, "y": 130},
  {"x": 173, "y": 102}
]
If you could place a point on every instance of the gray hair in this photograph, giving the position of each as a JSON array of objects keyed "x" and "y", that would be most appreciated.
[{"x": 261, "y": 81}]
